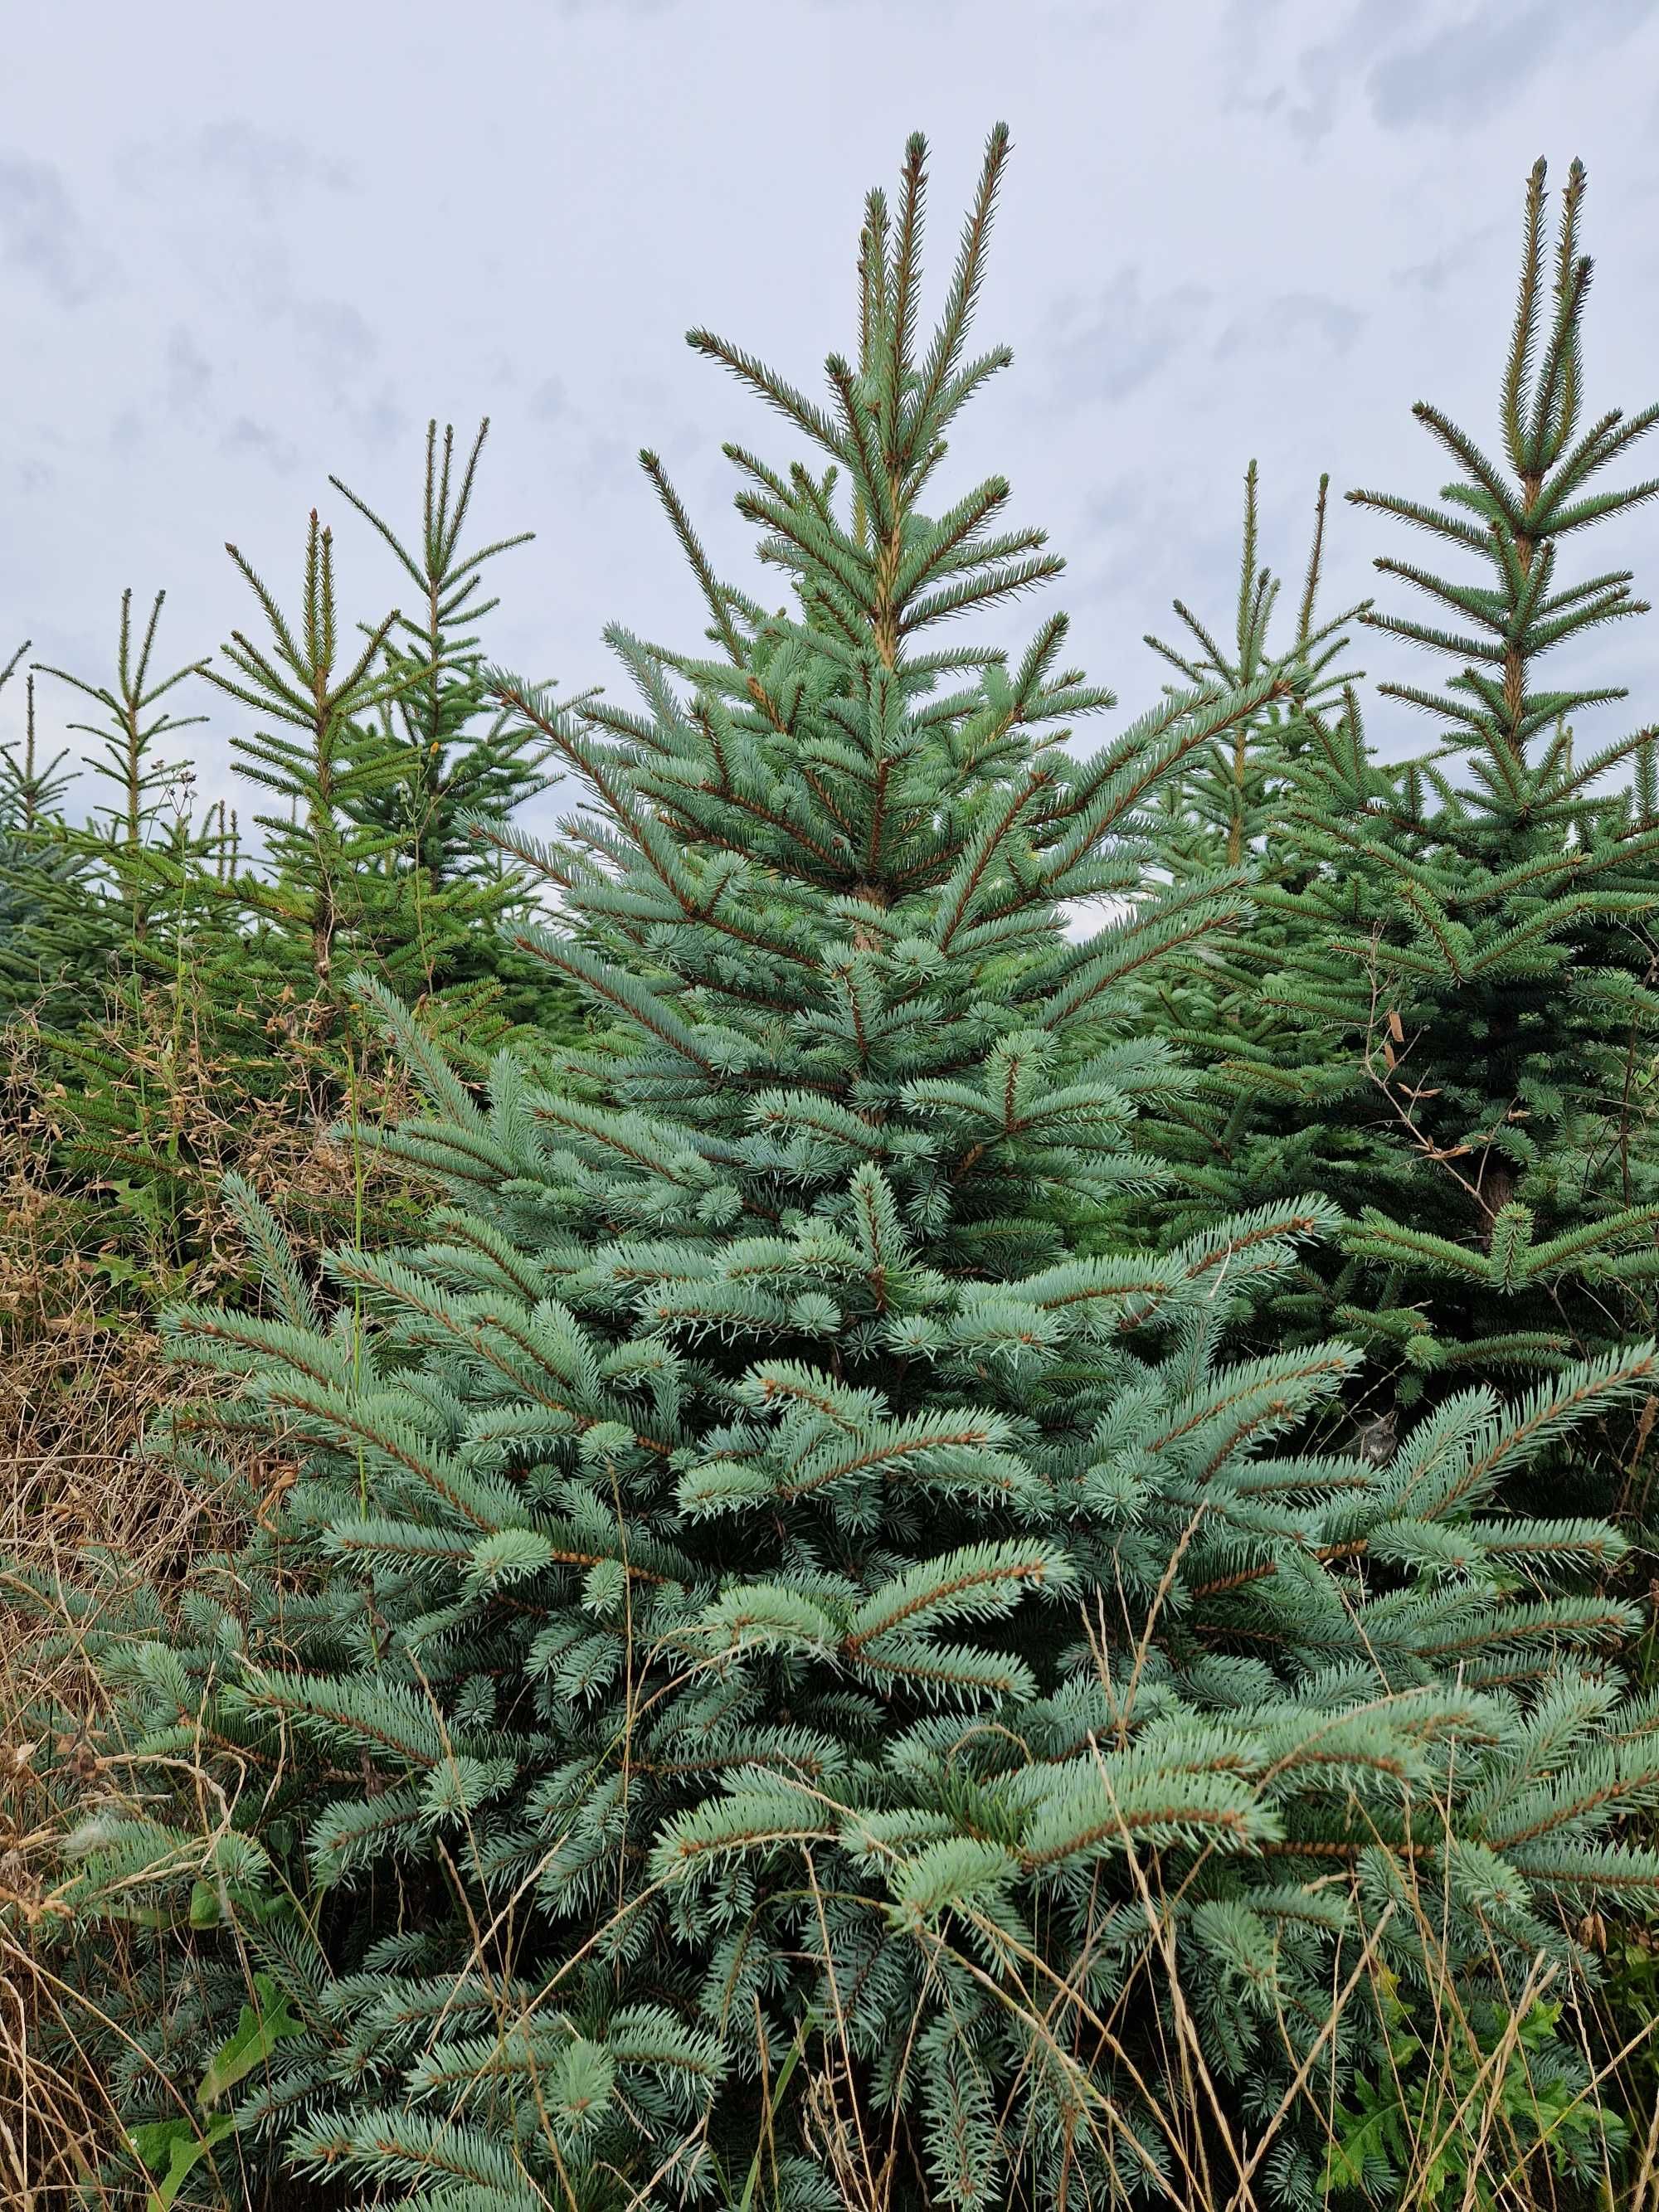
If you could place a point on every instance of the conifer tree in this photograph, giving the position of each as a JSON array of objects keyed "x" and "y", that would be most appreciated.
[
  {"x": 1511, "y": 913},
  {"x": 1228, "y": 804},
  {"x": 58, "y": 926},
  {"x": 449, "y": 765},
  {"x": 113, "y": 939},
  {"x": 1269, "y": 1109},
  {"x": 30, "y": 795},
  {"x": 1458, "y": 1014},
  {"x": 189, "y": 982},
  {"x": 462, "y": 752},
  {"x": 373, "y": 748},
  {"x": 35, "y": 882},
  {"x": 150, "y": 1005},
  {"x": 328, "y": 889},
  {"x": 134, "y": 718},
  {"x": 763, "y": 1657}
]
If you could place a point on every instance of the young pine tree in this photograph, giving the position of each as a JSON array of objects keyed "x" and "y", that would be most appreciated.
[
  {"x": 462, "y": 754},
  {"x": 1227, "y": 804},
  {"x": 118, "y": 945},
  {"x": 374, "y": 747},
  {"x": 142, "y": 811},
  {"x": 190, "y": 987},
  {"x": 40, "y": 882},
  {"x": 1270, "y": 1109},
  {"x": 765, "y": 1672},
  {"x": 1459, "y": 1012},
  {"x": 1481, "y": 929},
  {"x": 82, "y": 891}
]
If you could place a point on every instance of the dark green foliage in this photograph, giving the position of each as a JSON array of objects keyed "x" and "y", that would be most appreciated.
[
  {"x": 462, "y": 754},
  {"x": 438, "y": 710},
  {"x": 1418, "y": 2119},
  {"x": 38, "y": 886},
  {"x": 1270, "y": 1105},
  {"x": 1512, "y": 914},
  {"x": 1450, "y": 1000},
  {"x": 186, "y": 979},
  {"x": 772, "y": 1664},
  {"x": 1228, "y": 804},
  {"x": 147, "y": 787},
  {"x": 376, "y": 749}
]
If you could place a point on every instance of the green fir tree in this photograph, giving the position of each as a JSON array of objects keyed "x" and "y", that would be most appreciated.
[
  {"x": 187, "y": 981},
  {"x": 462, "y": 754},
  {"x": 1447, "y": 998},
  {"x": 1268, "y": 1111},
  {"x": 38, "y": 882},
  {"x": 1500, "y": 924}
]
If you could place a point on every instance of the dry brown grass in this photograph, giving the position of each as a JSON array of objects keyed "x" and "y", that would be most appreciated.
[
  {"x": 72, "y": 1403},
  {"x": 81, "y": 1375}
]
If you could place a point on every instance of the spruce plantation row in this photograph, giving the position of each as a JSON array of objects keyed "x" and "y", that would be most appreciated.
[{"x": 833, "y": 1543}]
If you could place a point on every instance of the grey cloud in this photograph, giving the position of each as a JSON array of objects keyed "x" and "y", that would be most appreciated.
[
  {"x": 266, "y": 166},
  {"x": 1307, "y": 104},
  {"x": 341, "y": 347},
  {"x": 261, "y": 442},
  {"x": 1147, "y": 541},
  {"x": 1414, "y": 66},
  {"x": 1112, "y": 518},
  {"x": 1434, "y": 275},
  {"x": 1282, "y": 322},
  {"x": 41, "y": 231},
  {"x": 1123, "y": 337},
  {"x": 335, "y": 338},
  {"x": 266, "y": 170},
  {"x": 1327, "y": 66},
  {"x": 380, "y": 421},
  {"x": 1468, "y": 70},
  {"x": 603, "y": 461},
  {"x": 547, "y": 401},
  {"x": 189, "y": 373}
]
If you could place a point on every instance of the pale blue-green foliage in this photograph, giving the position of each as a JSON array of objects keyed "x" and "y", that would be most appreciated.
[
  {"x": 765, "y": 1683},
  {"x": 770, "y": 1642}
]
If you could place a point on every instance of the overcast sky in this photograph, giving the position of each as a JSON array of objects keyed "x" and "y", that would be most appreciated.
[{"x": 243, "y": 247}]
